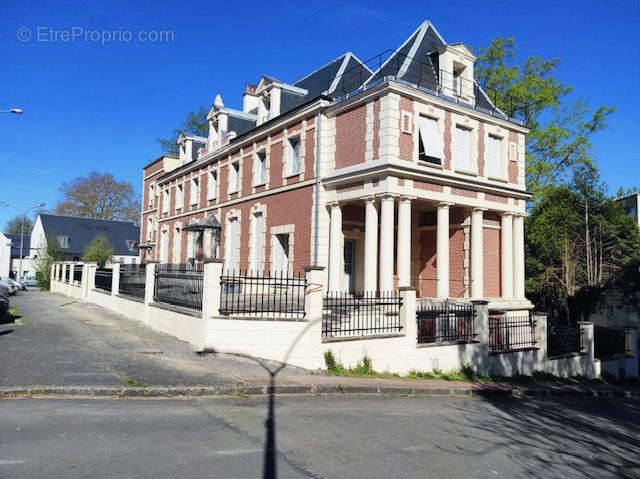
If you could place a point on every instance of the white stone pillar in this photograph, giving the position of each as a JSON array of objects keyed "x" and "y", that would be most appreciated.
[
  {"x": 212, "y": 271},
  {"x": 386, "y": 243},
  {"x": 370, "y": 245},
  {"x": 518, "y": 256},
  {"x": 442, "y": 251},
  {"x": 404, "y": 241},
  {"x": 115, "y": 279},
  {"x": 477, "y": 256},
  {"x": 149, "y": 282},
  {"x": 506, "y": 256},
  {"x": 336, "y": 268}
]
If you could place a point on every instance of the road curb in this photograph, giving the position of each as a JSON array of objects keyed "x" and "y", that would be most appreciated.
[{"x": 241, "y": 390}]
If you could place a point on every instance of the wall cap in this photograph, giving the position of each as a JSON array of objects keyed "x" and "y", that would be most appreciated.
[
  {"x": 313, "y": 268},
  {"x": 407, "y": 288},
  {"x": 479, "y": 302},
  {"x": 212, "y": 260}
]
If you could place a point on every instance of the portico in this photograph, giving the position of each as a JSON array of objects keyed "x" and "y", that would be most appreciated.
[{"x": 444, "y": 249}]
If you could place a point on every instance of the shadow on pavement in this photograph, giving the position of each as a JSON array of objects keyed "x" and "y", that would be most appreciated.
[{"x": 569, "y": 437}]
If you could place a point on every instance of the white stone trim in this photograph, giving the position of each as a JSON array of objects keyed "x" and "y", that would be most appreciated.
[
  {"x": 281, "y": 230},
  {"x": 261, "y": 209}
]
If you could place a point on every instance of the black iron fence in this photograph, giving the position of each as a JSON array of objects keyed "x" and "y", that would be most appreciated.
[
  {"x": 358, "y": 314},
  {"x": 77, "y": 272},
  {"x": 67, "y": 273},
  {"x": 179, "y": 285},
  {"x": 445, "y": 322},
  {"x": 280, "y": 293},
  {"x": 609, "y": 342},
  {"x": 132, "y": 280},
  {"x": 563, "y": 337},
  {"x": 104, "y": 277},
  {"x": 511, "y": 333}
]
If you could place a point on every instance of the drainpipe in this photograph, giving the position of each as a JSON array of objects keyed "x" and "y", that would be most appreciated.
[{"x": 316, "y": 221}]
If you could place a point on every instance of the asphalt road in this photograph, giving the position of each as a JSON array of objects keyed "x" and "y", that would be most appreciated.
[
  {"x": 321, "y": 437},
  {"x": 59, "y": 341}
]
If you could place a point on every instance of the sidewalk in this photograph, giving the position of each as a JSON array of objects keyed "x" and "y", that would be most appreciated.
[{"x": 65, "y": 348}]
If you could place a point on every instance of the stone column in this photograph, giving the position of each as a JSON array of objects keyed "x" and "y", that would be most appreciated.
[
  {"x": 336, "y": 268},
  {"x": 477, "y": 256},
  {"x": 210, "y": 297},
  {"x": 150, "y": 282},
  {"x": 404, "y": 241},
  {"x": 370, "y": 245},
  {"x": 518, "y": 256},
  {"x": 386, "y": 243},
  {"x": 506, "y": 256},
  {"x": 115, "y": 279},
  {"x": 442, "y": 251}
]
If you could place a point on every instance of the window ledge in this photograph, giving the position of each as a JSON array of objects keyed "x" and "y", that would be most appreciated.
[
  {"x": 431, "y": 165},
  {"x": 259, "y": 184},
  {"x": 466, "y": 172},
  {"x": 501, "y": 179},
  {"x": 292, "y": 175}
]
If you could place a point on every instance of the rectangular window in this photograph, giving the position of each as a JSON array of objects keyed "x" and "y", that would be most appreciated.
[
  {"x": 257, "y": 240},
  {"x": 292, "y": 166},
  {"x": 165, "y": 201},
  {"x": 212, "y": 187},
  {"x": 179, "y": 197},
  {"x": 462, "y": 155},
  {"x": 195, "y": 191},
  {"x": 234, "y": 177},
  {"x": 177, "y": 245},
  {"x": 152, "y": 193},
  {"x": 63, "y": 241},
  {"x": 430, "y": 148},
  {"x": 260, "y": 169},
  {"x": 494, "y": 157},
  {"x": 457, "y": 83},
  {"x": 281, "y": 253},
  {"x": 149, "y": 229},
  {"x": 231, "y": 248}
]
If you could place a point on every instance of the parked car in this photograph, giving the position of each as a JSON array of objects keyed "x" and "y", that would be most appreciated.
[
  {"x": 28, "y": 281},
  {"x": 10, "y": 284},
  {"x": 4, "y": 301}
]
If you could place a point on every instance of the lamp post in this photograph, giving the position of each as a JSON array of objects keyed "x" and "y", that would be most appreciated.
[{"x": 22, "y": 216}]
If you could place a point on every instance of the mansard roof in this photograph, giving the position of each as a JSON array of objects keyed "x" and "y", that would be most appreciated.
[
  {"x": 343, "y": 74},
  {"x": 413, "y": 61}
]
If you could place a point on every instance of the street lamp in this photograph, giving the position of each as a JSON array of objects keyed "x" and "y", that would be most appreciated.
[
  {"x": 22, "y": 217},
  {"x": 15, "y": 111}
]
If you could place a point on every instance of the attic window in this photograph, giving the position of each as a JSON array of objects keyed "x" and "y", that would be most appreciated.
[
  {"x": 63, "y": 241},
  {"x": 457, "y": 81}
]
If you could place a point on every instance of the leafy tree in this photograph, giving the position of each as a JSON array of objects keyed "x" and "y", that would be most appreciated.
[
  {"x": 194, "y": 124},
  {"x": 14, "y": 225},
  {"x": 99, "y": 251},
  {"x": 99, "y": 196},
  {"x": 44, "y": 261},
  {"x": 579, "y": 242},
  {"x": 560, "y": 133}
]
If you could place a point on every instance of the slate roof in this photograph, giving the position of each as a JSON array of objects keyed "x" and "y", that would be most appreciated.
[
  {"x": 82, "y": 231},
  {"x": 337, "y": 75},
  {"x": 239, "y": 125},
  {"x": 15, "y": 244}
]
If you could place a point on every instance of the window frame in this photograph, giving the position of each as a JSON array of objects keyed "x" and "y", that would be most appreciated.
[
  {"x": 260, "y": 160},
  {"x": 290, "y": 155},
  {"x": 234, "y": 166}
]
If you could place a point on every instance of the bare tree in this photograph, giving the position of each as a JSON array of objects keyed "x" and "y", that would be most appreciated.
[{"x": 100, "y": 196}]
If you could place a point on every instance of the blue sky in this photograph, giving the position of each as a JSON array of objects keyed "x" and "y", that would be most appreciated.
[{"x": 90, "y": 106}]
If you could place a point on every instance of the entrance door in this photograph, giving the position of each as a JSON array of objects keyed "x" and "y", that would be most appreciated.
[{"x": 349, "y": 254}]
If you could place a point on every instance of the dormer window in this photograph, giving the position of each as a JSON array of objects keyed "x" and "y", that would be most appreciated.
[
  {"x": 430, "y": 141},
  {"x": 292, "y": 159},
  {"x": 63, "y": 241},
  {"x": 457, "y": 81},
  {"x": 260, "y": 169}
]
